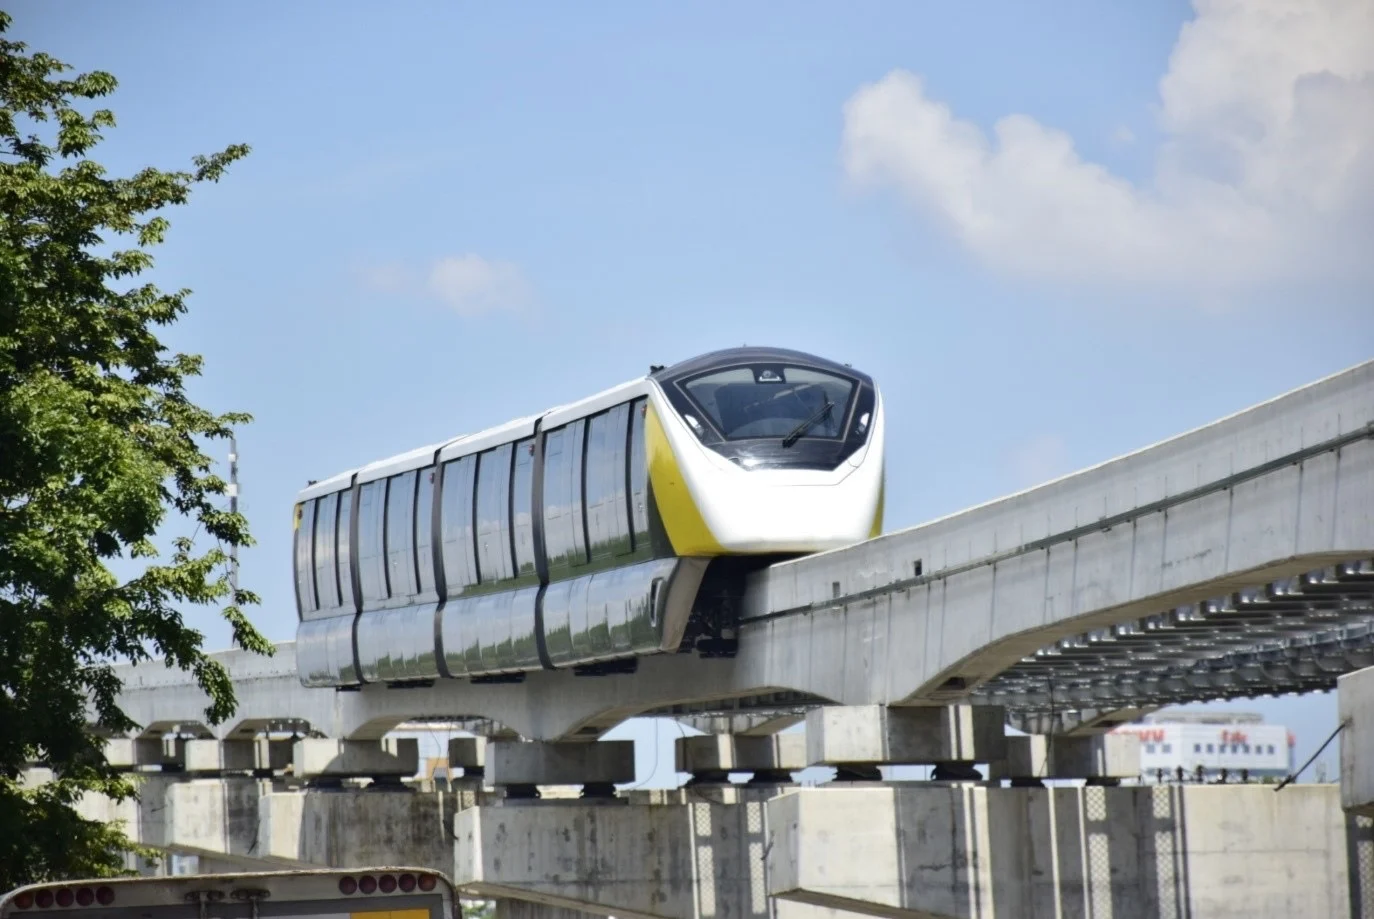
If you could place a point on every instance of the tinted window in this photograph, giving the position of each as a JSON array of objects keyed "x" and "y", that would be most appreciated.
[
  {"x": 770, "y": 401},
  {"x": 563, "y": 535},
  {"x": 521, "y": 498},
  {"x": 639, "y": 475},
  {"x": 455, "y": 522},
  {"x": 345, "y": 540},
  {"x": 326, "y": 586},
  {"x": 608, "y": 521},
  {"x": 493, "y": 515},
  {"x": 424, "y": 529},
  {"x": 371, "y": 562},
  {"x": 400, "y": 534},
  {"x": 305, "y": 569}
]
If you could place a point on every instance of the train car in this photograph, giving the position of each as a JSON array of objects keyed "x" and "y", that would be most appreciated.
[{"x": 589, "y": 535}]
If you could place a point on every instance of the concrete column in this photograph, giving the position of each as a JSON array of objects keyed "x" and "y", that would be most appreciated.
[
  {"x": 598, "y": 766},
  {"x": 855, "y": 739},
  {"x": 711, "y": 758},
  {"x": 1355, "y": 699},
  {"x": 325, "y": 762},
  {"x": 1103, "y": 759},
  {"x": 524, "y": 909},
  {"x": 1132, "y": 852},
  {"x": 693, "y": 861}
]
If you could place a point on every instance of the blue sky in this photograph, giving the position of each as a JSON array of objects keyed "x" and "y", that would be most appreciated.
[{"x": 455, "y": 214}]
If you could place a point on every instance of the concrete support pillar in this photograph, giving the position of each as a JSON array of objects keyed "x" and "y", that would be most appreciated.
[
  {"x": 520, "y": 768},
  {"x": 1101, "y": 759},
  {"x": 1132, "y": 852},
  {"x": 1355, "y": 699},
  {"x": 525, "y": 909},
  {"x": 326, "y": 762},
  {"x": 856, "y": 739},
  {"x": 711, "y": 758},
  {"x": 217, "y": 816},
  {"x": 259, "y": 756},
  {"x": 685, "y": 861}
]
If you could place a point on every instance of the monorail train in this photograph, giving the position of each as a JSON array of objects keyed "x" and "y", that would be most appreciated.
[{"x": 591, "y": 534}]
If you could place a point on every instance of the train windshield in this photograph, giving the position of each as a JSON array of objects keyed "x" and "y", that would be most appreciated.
[{"x": 771, "y": 400}]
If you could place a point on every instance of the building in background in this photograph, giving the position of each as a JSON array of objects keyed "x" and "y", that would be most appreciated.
[{"x": 1235, "y": 741}]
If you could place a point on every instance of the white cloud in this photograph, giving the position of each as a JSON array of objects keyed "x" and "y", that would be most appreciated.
[
  {"x": 469, "y": 284},
  {"x": 1266, "y": 171},
  {"x": 472, "y": 285},
  {"x": 1038, "y": 460}
]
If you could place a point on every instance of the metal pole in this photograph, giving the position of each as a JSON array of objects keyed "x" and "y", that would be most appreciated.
[{"x": 234, "y": 509}]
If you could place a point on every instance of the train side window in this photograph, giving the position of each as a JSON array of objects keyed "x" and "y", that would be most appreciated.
[
  {"x": 305, "y": 569},
  {"x": 326, "y": 587},
  {"x": 345, "y": 529},
  {"x": 563, "y": 534},
  {"x": 607, "y": 521},
  {"x": 455, "y": 524},
  {"x": 424, "y": 529},
  {"x": 493, "y": 514},
  {"x": 521, "y": 496},
  {"x": 400, "y": 534},
  {"x": 639, "y": 475},
  {"x": 371, "y": 562}
]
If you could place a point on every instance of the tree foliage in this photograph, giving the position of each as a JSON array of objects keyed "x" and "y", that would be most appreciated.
[{"x": 99, "y": 448}]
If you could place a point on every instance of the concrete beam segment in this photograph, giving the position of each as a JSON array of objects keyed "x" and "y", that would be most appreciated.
[
  {"x": 750, "y": 725},
  {"x": 872, "y": 734},
  {"x": 467, "y": 753},
  {"x": 535, "y": 763},
  {"x": 131, "y": 753},
  {"x": 257, "y": 755},
  {"x": 733, "y": 753},
  {"x": 1087, "y": 756},
  {"x": 315, "y": 756},
  {"x": 1355, "y": 701},
  {"x": 1126, "y": 852},
  {"x": 673, "y": 861}
]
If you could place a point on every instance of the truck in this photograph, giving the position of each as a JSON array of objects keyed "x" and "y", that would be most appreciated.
[{"x": 375, "y": 893}]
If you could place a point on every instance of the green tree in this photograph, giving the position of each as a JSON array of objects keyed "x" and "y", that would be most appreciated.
[{"x": 99, "y": 448}]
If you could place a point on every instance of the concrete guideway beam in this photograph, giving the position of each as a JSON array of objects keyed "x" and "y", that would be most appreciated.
[
  {"x": 1143, "y": 851},
  {"x": 1097, "y": 758},
  {"x": 524, "y": 765},
  {"x": 259, "y": 755},
  {"x": 945, "y": 609},
  {"x": 140, "y": 752},
  {"x": 321, "y": 758},
  {"x": 712, "y": 757},
  {"x": 869, "y": 735}
]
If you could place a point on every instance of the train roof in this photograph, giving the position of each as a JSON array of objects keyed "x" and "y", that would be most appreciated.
[{"x": 508, "y": 431}]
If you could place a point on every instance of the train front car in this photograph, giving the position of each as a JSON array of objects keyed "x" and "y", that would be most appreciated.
[
  {"x": 763, "y": 451},
  {"x": 588, "y": 535}
]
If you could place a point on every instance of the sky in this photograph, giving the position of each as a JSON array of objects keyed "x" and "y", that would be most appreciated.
[{"x": 1052, "y": 233}]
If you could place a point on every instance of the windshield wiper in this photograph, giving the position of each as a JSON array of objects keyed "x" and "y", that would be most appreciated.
[{"x": 795, "y": 434}]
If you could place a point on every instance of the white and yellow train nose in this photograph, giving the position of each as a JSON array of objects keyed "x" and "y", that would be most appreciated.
[{"x": 713, "y": 505}]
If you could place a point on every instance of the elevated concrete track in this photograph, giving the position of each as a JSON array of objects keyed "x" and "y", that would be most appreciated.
[{"x": 1231, "y": 560}]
